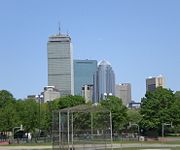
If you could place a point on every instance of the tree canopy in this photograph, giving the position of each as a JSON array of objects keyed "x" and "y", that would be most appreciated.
[
  {"x": 5, "y": 98},
  {"x": 156, "y": 108},
  {"x": 68, "y": 101},
  {"x": 118, "y": 110},
  {"x": 134, "y": 116}
]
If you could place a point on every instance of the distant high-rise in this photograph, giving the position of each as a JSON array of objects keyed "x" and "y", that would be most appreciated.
[
  {"x": 87, "y": 92},
  {"x": 83, "y": 74},
  {"x": 123, "y": 91},
  {"x": 104, "y": 81},
  {"x": 50, "y": 93},
  {"x": 60, "y": 64},
  {"x": 153, "y": 82}
]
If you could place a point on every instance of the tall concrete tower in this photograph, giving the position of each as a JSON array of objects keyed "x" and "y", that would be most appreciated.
[
  {"x": 123, "y": 91},
  {"x": 60, "y": 64},
  {"x": 153, "y": 82}
]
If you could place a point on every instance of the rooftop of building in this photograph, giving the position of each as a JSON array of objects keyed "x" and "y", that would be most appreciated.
[
  {"x": 59, "y": 37},
  {"x": 104, "y": 63},
  {"x": 152, "y": 77},
  {"x": 84, "y": 60},
  {"x": 124, "y": 84}
]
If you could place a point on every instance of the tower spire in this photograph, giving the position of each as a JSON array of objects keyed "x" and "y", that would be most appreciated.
[{"x": 59, "y": 28}]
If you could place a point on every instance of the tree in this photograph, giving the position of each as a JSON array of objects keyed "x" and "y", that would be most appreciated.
[
  {"x": 45, "y": 118},
  {"x": 9, "y": 118},
  {"x": 175, "y": 111},
  {"x": 68, "y": 101},
  {"x": 175, "y": 114},
  {"x": 134, "y": 116},
  {"x": 8, "y": 114},
  {"x": 177, "y": 94},
  {"x": 28, "y": 112},
  {"x": 118, "y": 110},
  {"x": 5, "y": 98},
  {"x": 155, "y": 109}
]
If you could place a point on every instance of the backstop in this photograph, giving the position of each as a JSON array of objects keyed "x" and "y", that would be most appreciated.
[{"x": 83, "y": 127}]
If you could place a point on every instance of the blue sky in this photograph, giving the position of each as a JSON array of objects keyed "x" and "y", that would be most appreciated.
[{"x": 140, "y": 38}]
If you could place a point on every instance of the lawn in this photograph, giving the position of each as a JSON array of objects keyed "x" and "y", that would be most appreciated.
[{"x": 149, "y": 148}]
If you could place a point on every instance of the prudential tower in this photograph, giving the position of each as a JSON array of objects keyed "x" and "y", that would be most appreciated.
[{"x": 60, "y": 64}]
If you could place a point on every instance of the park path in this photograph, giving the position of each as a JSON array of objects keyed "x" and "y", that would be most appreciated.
[
  {"x": 25, "y": 147},
  {"x": 81, "y": 147}
]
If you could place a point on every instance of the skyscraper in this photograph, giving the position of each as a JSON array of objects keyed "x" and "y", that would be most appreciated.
[
  {"x": 83, "y": 74},
  {"x": 123, "y": 91},
  {"x": 60, "y": 64},
  {"x": 153, "y": 82},
  {"x": 104, "y": 81}
]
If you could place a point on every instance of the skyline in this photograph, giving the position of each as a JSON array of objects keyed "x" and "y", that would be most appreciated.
[{"x": 139, "y": 39}]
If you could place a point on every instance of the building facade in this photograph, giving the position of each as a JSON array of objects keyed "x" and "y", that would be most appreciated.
[
  {"x": 50, "y": 93},
  {"x": 104, "y": 81},
  {"x": 87, "y": 93},
  {"x": 83, "y": 74},
  {"x": 153, "y": 82},
  {"x": 60, "y": 64},
  {"x": 123, "y": 91}
]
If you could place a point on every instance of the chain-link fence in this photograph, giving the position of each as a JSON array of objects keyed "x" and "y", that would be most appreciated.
[{"x": 82, "y": 127}]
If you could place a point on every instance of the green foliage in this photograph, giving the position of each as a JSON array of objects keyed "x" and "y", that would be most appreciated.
[
  {"x": 177, "y": 94},
  {"x": 134, "y": 116},
  {"x": 118, "y": 110},
  {"x": 160, "y": 106},
  {"x": 45, "y": 117},
  {"x": 8, "y": 114},
  {"x": 28, "y": 111},
  {"x": 5, "y": 98},
  {"x": 68, "y": 101},
  {"x": 82, "y": 121},
  {"x": 175, "y": 111},
  {"x": 9, "y": 118},
  {"x": 156, "y": 109}
]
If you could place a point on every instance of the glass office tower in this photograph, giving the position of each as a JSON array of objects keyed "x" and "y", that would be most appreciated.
[
  {"x": 83, "y": 74},
  {"x": 104, "y": 81}
]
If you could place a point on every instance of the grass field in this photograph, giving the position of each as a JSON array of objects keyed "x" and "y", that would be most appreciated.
[
  {"x": 149, "y": 148},
  {"x": 146, "y": 145},
  {"x": 148, "y": 142}
]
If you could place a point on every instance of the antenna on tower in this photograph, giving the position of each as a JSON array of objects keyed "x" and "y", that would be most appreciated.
[
  {"x": 59, "y": 28},
  {"x": 67, "y": 32}
]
